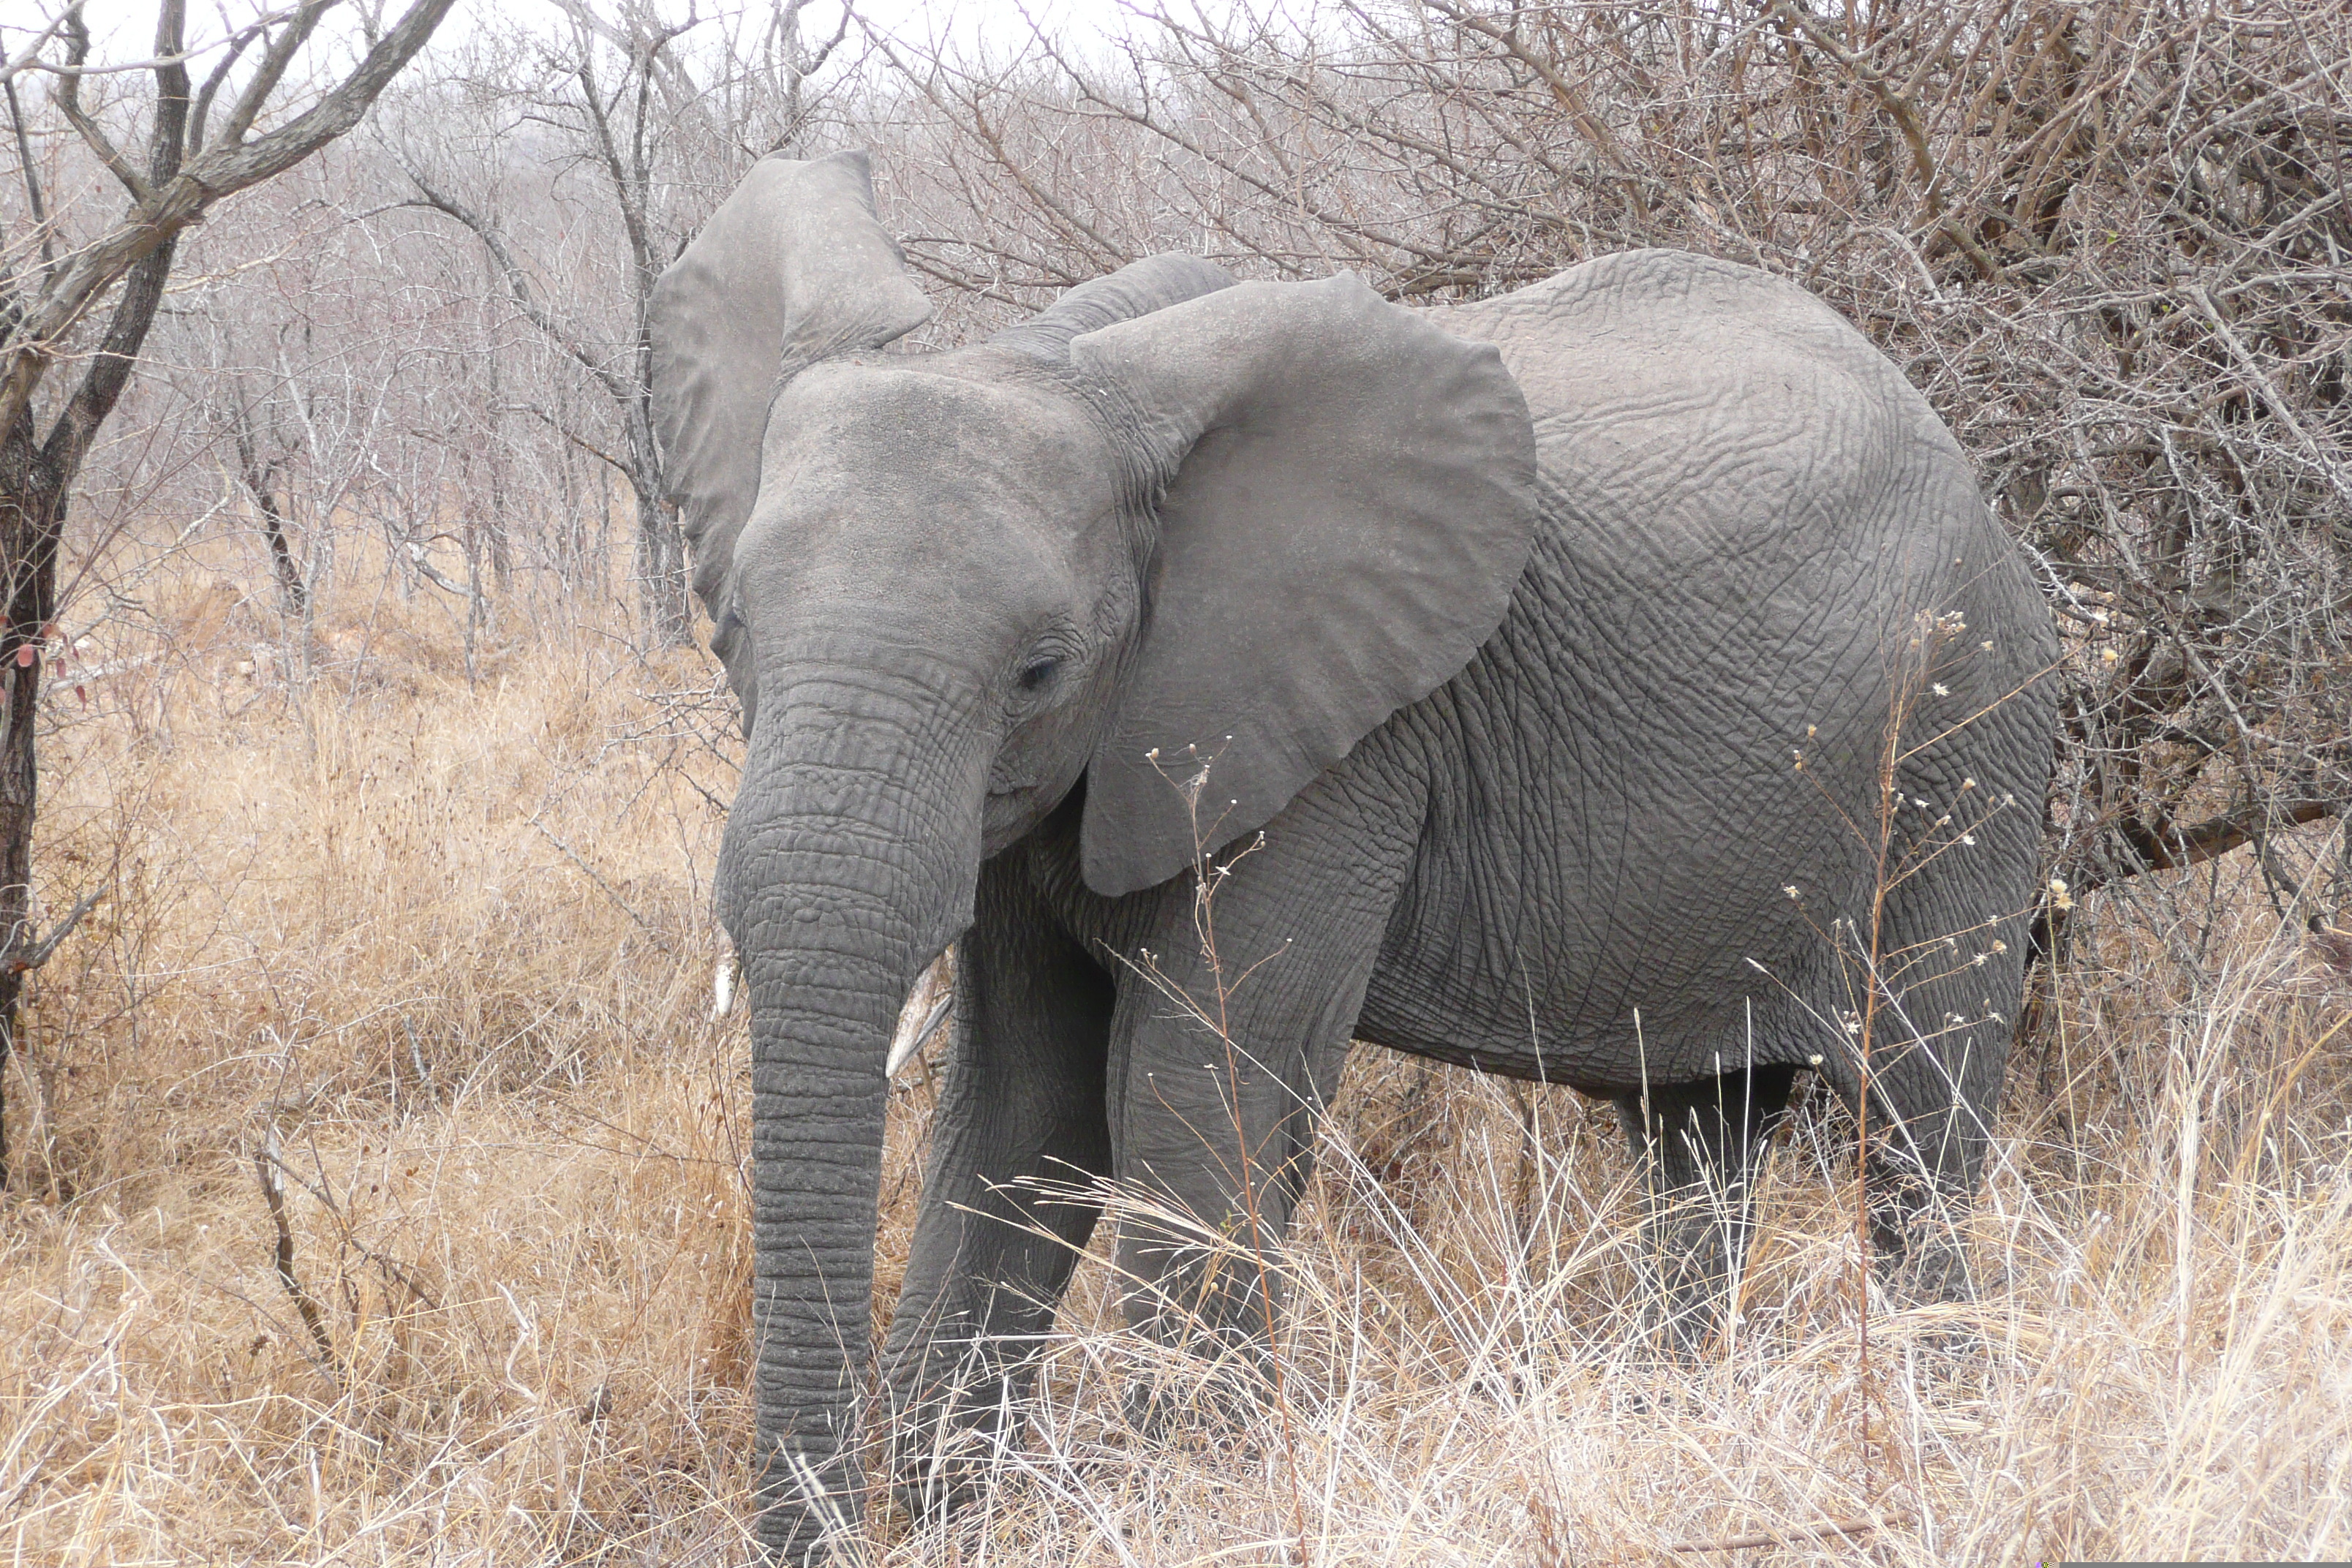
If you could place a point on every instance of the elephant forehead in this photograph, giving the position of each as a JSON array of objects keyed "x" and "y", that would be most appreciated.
[
  {"x": 882, "y": 487},
  {"x": 883, "y": 437}
]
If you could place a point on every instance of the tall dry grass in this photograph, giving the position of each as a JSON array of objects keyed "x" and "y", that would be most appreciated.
[{"x": 432, "y": 958}]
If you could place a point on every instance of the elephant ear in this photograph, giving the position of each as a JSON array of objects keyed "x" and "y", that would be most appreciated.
[
  {"x": 793, "y": 269},
  {"x": 1136, "y": 289},
  {"x": 1349, "y": 499}
]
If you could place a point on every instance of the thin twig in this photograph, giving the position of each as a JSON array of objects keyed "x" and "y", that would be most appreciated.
[
  {"x": 1849, "y": 1528},
  {"x": 604, "y": 886}
]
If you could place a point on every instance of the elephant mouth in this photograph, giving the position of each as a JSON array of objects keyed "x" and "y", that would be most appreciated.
[{"x": 1011, "y": 810}]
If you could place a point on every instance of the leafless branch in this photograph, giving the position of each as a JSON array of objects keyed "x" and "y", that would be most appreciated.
[
  {"x": 231, "y": 164},
  {"x": 266, "y": 1166},
  {"x": 29, "y": 956}
]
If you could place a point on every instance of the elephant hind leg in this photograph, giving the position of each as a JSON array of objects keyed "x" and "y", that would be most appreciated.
[
  {"x": 1932, "y": 1094},
  {"x": 1701, "y": 1146},
  {"x": 1948, "y": 977}
]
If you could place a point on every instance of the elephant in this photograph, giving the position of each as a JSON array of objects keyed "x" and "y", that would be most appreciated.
[{"x": 1618, "y": 683}]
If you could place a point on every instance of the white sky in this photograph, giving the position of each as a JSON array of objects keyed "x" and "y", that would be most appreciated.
[
  {"x": 125, "y": 29},
  {"x": 1082, "y": 22}
]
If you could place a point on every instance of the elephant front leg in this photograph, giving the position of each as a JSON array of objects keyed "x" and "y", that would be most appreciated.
[
  {"x": 1215, "y": 1149},
  {"x": 1019, "y": 1142},
  {"x": 1233, "y": 1024},
  {"x": 1701, "y": 1146}
]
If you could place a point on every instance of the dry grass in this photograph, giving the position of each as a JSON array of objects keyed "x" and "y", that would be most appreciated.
[{"x": 445, "y": 948}]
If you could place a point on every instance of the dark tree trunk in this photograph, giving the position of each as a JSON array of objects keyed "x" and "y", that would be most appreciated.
[
  {"x": 661, "y": 574},
  {"x": 35, "y": 480},
  {"x": 32, "y": 509},
  {"x": 281, "y": 556},
  {"x": 260, "y": 480}
]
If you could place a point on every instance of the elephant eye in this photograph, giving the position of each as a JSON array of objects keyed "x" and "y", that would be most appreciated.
[{"x": 1034, "y": 675}]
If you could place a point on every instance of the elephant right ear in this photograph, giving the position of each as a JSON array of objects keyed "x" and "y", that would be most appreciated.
[
  {"x": 793, "y": 269},
  {"x": 1350, "y": 498}
]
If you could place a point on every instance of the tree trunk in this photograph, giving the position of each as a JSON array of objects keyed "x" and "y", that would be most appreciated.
[
  {"x": 32, "y": 509},
  {"x": 661, "y": 574},
  {"x": 474, "y": 606},
  {"x": 260, "y": 481},
  {"x": 33, "y": 484},
  {"x": 290, "y": 592},
  {"x": 601, "y": 562},
  {"x": 500, "y": 547}
]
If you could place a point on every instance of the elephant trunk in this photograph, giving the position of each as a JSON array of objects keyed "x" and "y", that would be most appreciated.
[{"x": 848, "y": 862}]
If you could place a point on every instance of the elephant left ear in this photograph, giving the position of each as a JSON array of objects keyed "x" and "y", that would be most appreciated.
[
  {"x": 1351, "y": 497},
  {"x": 792, "y": 268}
]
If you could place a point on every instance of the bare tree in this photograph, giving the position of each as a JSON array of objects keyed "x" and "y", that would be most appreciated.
[
  {"x": 265, "y": 439},
  {"x": 56, "y": 281},
  {"x": 329, "y": 362},
  {"x": 627, "y": 102}
]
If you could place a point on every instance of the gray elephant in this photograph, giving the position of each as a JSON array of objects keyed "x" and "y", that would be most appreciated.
[{"x": 1618, "y": 683}]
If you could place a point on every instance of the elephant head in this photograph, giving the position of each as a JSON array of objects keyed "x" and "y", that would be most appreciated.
[{"x": 951, "y": 589}]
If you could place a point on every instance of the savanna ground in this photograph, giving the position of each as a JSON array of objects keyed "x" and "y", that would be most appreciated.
[{"x": 427, "y": 956}]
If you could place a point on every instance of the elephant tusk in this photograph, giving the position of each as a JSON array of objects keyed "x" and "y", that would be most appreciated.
[
  {"x": 722, "y": 989},
  {"x": 926, "y": 1005},
  {"x": 915, "y": 1039}
]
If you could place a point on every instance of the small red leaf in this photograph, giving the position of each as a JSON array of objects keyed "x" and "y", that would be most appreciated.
[
  {"x": 25, "y": 657},
  {"x": 83, "y": 695}
]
